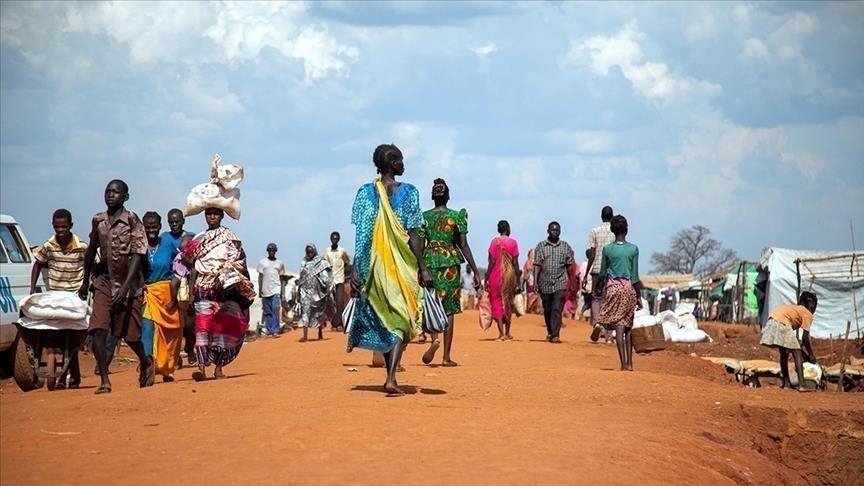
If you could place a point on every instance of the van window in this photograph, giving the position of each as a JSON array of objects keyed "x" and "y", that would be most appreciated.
[{"x": 11, "y": 241}]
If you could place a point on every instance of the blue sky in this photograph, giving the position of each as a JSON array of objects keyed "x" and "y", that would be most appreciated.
[{"x": 747, "y": 118}]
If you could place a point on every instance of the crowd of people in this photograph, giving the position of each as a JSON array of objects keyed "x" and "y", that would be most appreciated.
[{"x": 155, "y": 289}]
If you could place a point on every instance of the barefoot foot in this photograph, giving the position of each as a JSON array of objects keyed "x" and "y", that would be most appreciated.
[{"x": 429, "y": 355}]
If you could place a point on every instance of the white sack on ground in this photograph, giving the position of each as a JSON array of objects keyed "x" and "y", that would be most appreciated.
[
  {"x": 54, "y": 305},
  {"x": 687, "y": 335}
]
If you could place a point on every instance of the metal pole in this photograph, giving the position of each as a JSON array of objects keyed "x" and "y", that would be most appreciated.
[{"x": 798, "y": 274}]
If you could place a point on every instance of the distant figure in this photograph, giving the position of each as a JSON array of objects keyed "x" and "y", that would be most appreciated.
[
  {"x": 586, "y": 287},
  {"x": 315, "y": 283},
  {"x": 502, "y": 278},
  {"x": 553, "y": 258},
  {"x": 468, "y": 298},
  {"x": 597, "y": 239},
  {"x": 445, "y": 236},
  {"x": 176, "y": 221},
  {"x": 571, "y": 292},
  {"x": 619, "y": 274},
  {"x": 118, "y": 282},
  {"x": 63, "y": 256},
  {"x": 532, "y": 298},
  {"x": 339, "y": 261},
  {"x": 387, "y": 216},
  {"x": 781, "y": 332},
  {"x": 271, "y": 289}
]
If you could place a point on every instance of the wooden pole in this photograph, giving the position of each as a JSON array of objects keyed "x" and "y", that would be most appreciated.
[
  {"x": 852, "y": 281},
  {"x": 843, "y": 357}
]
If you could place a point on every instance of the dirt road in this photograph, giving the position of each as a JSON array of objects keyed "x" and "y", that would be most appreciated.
[{"x": 519, "y": 412}]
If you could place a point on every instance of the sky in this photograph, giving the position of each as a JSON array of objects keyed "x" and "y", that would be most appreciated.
[{"x": 746, "y": 118}]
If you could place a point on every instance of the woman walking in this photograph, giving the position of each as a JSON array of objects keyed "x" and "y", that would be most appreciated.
[
  {"x": 502, "y": 278},
  {"x": 388, "y": 263},
  {"x": 445, "y": 237},
  {"x": 162, "y": 326},
  {"x": 315, "y": 283},
  {"x": 619, "y": 272},
  {"x": 223, "y": 294}
]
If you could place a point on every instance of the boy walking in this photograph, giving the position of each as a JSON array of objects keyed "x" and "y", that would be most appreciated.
[
  {"x": 63, "y": 256},
  {"x": 117, "y": 282}
]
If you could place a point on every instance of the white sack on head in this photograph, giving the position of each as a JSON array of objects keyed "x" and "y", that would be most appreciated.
[
  {"x": 221, "y": 192},
  {"x": 210, "y": 195}
]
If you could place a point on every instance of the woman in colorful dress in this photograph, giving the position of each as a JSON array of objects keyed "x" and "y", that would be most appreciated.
[
  {"x": 222, "y": 294},
  {"x": 388, "y": 263},
  {"x": 315, "y": 282},
  {"x": 502, "y": 278},
  {"x": 161, "y": 323},
  {"x": 571, "y": 292},
  {"x": 445, "y": 237},
  {"x": 619, "y": 272}
]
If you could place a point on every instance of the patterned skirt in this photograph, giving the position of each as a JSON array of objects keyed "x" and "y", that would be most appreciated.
[
  {"x": 777, "y": 334},
  {"x": 449, "y": 287},
  {"x": 620, "y": 304},
  {"x": 219, "y": 331}
]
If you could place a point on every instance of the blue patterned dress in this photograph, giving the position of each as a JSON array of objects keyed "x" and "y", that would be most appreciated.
[{"x": 367, "y": 331}]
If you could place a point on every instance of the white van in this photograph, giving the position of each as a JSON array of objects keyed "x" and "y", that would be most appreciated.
[{"x": 16, "y": 263}]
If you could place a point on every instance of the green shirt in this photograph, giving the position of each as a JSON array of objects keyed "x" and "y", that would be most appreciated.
[
  {"x": 620, "y": 260},
  {"x": 441, "y": 230}
]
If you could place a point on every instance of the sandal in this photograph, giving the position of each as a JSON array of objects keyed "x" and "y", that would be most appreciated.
[
  {"x": 103, "y": 389},
  {"x": 449, "y": 364}
]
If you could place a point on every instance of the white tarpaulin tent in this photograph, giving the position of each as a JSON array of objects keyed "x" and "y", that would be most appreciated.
[{"x": 833, "y": 276}]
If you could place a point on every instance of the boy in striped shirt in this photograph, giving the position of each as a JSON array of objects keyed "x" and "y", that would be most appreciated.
[{"x": 63, "y": 256}]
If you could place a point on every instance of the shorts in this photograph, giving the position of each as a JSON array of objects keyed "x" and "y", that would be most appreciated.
[{"x": 123, "y": 320}]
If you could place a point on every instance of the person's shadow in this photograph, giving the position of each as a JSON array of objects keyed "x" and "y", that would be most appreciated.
[{"x": 408, "y": 389}]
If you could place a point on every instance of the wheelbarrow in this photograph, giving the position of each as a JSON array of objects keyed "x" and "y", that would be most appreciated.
[{"x": 30, "y": 371}]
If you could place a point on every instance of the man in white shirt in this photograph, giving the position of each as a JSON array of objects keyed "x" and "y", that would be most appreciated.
[
  {"x": 338, "y": 259},
  {"x": 271, "y": 290},
  {"x": 597, "y": 239}
]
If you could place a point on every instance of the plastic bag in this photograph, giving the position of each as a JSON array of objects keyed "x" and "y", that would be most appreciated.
[
  {"x": 519, "y": 304},
  {"x": 434, "y": 317},
  {"x": 485, "y": 308}
]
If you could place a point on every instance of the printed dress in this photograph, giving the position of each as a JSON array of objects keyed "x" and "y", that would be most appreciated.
[
  {"x": 441, "y": 230},
  {"x": 368, "y": 330}
]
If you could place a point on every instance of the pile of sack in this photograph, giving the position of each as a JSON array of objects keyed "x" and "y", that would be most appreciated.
[
  {"x": 54, "y": 310},
  {"x": 680, "y": 327},
  {"x": 221, "y": 192}
]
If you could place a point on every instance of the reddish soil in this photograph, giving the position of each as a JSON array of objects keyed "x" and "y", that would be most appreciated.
[{"x": 520, "y": 412}]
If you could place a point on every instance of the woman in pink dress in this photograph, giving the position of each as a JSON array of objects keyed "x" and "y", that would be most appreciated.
[{"x": 502, "y": 278}]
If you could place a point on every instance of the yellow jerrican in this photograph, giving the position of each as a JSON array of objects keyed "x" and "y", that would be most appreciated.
[{"x": 392, "y": 287}]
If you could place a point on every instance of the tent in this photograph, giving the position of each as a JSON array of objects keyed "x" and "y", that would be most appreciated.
[{"x": 837, "y": 279}]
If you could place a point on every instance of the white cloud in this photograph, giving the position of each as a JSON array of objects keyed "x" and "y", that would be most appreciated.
[
  {"x": 485, "y": 50},
  {"x": 755, "y": 49},
  {"x": 651, "y": 80},
  {"x": 743, "y": 14},
  {"x": 586, "y": 142},
  {"x": 178, "y": 32},
  {"x": 701, "y": 29},
  {"x": 210, "y": 97},
  {"x": 787, "y": 40}
]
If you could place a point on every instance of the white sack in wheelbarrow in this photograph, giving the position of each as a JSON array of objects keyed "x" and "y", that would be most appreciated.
[
  {"x": 54, "y": 305},
  {"x": 211, "y": 195},
  {"x": 55, "y": 324}
]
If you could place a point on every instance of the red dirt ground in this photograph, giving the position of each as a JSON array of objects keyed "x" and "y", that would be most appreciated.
[{"x": 520, "y": 412}]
